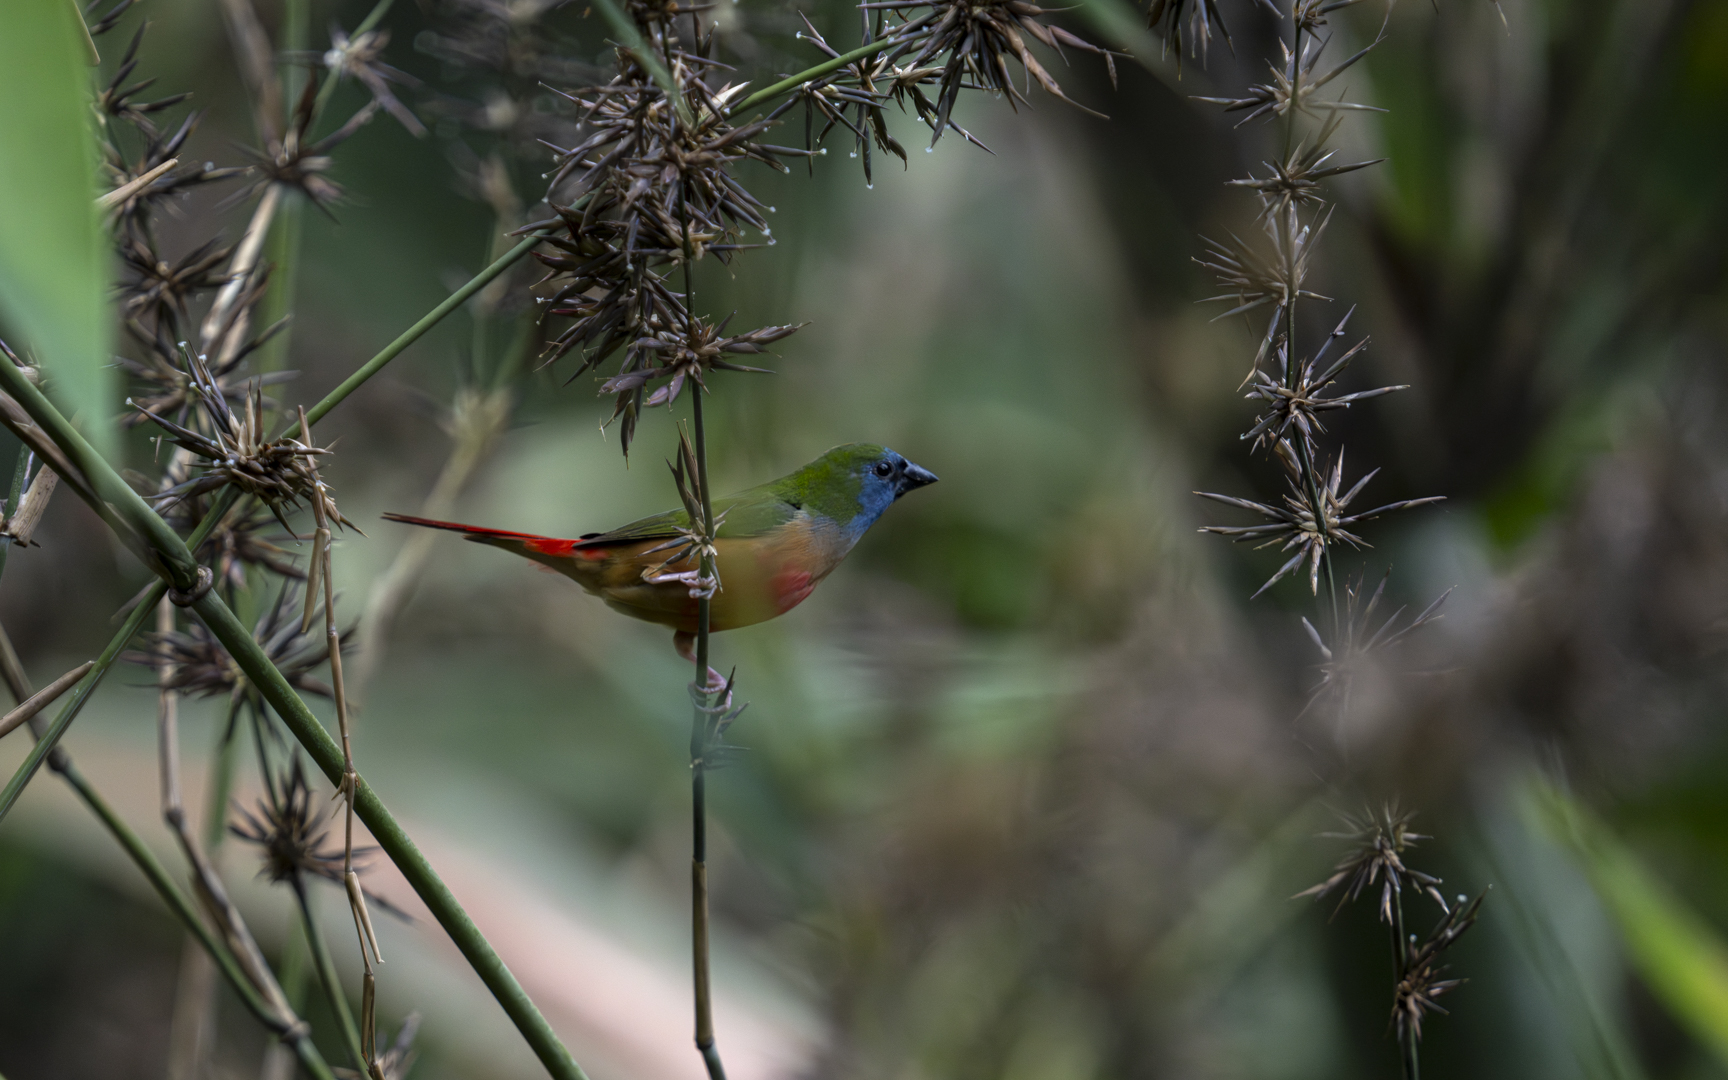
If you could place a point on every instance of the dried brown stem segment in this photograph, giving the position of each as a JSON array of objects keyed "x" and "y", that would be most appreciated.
[
  {"x": 21, "y": 524},
  {"x": 43, "y": 698},
  {"x": 135, "y": 185},
  {"x": 224, "y": 328}
]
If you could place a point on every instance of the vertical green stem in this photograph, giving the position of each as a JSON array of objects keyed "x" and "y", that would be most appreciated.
[
  {"x": 326, "y": 968},
  {"x": 702, "y": 722},
  {"x": 1407, "y": 1056}
]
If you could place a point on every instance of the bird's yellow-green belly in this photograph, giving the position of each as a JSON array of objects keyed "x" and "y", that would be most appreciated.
[{"x": 760, "y": 577}]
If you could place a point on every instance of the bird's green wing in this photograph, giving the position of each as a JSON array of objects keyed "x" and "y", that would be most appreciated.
[{"x": 749, "y": 513}]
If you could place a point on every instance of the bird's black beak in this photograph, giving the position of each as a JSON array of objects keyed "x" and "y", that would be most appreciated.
[{"x": 914, "y": 477}]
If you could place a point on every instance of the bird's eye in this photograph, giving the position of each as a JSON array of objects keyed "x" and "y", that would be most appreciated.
[{"x": 882, "y": 468}]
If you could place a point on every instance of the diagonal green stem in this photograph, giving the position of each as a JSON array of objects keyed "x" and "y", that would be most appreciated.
[
  {"x": 414, "y": 333},
  {"x": 173, "y": 558},
  {"x": 181, "y": 906},
  {"x": 769, "y": 93},
  {"x": 75, "y": 703}
]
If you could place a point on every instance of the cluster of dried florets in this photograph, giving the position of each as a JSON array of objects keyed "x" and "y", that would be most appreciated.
[
  {"x": 651, "y": 186},
  {"x": 1379, "y": 841},
  {"x": 199, "y": 665},
  {"x": 1294, "y": 388}
]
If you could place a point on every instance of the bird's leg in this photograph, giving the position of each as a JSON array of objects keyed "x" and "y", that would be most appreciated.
[{"x": 685, "y": 643}]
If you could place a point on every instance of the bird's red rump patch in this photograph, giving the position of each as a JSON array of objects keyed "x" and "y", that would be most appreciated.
[
  {"x": 791, "y": 587},
  {"x": 546, "y": 545}
]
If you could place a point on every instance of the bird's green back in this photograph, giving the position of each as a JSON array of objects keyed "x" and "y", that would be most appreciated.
[{"x": 827, "y": 487}]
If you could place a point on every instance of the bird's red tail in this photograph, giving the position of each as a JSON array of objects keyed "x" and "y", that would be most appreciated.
[{"x": 527, "y": 544}]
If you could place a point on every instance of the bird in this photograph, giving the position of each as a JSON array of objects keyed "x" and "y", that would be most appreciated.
[{"x": 773, "y": 543}]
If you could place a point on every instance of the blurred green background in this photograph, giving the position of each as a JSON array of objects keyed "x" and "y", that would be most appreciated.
[{"x": 1030, "y": 782}]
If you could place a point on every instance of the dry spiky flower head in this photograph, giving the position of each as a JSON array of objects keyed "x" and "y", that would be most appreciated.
[
  {"x": 975, "y": 42},
  {"x": 1413, "y": 997},
  {"x": 1359, "y": 643},
  {"x": 1379, "y": 839},
  {"x": 1295, "y": 400},
  {"x": 198, "y": 664},
  {"x": 1311, "y": 519},
  {"x": 235, "y": 451}
]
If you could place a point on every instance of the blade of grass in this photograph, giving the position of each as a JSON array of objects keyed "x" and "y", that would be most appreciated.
[{"x": 1682, "y": 959}]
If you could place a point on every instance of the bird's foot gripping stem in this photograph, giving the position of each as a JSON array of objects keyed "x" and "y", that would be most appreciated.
[{"x": 685, "y": 643}]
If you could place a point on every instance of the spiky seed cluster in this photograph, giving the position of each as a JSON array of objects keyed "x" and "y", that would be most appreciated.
[
  {"x": 976, "y": 45},
  {"x": 1295, "y": 84},
  {"x": 237, "y": 451},
  {"x": 292, "y": 831},
  {"x": 649, "y": 189},
  {"x": 1187, "y": 22},
  {"x": 242, "y": 539},
  {"x": 1307, "y": 525},
  {"x": 1378, "y": 839},
  {"x": 857, "y": 102},
  {"x": 1357, "y": 642},
  {"x": 360, "y": 58},
  {"x": 1413, "y": 997},
  {"x": 200, "y": 665},
  {"x": 1294, "y": 401}
]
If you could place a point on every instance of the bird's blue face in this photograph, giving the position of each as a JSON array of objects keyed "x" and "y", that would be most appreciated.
[{"x": 885, "y": 479}]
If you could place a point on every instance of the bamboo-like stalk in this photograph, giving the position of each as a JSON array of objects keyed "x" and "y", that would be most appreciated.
[
  {"x": 173, "y": 561},
  {"x": 428, "y": 321},
  {"x": 327, "y": 977}
]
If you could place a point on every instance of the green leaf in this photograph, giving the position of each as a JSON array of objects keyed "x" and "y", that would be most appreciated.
[
  {"x": 1680, "y": 957},
  {"x": 53, "y": 255}
]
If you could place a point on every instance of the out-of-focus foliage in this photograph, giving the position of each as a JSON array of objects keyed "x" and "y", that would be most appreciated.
[
  {"x": 1026, "y": 792},
  {"x": 53, "y": 260}
]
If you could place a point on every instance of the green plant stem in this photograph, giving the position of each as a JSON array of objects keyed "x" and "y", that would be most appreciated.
[
  {"x": 327, "y": 977},
  {"x": 1407, "y": 1056},
  {"x": 75, "y": 702},
  {"x": 172, "y": 558},
  {"x": 427, "y": 322},
  {"x": 703, "y": 725},
  {"x": 181, "y": 906},
  {"x": 769, "y": 93}
]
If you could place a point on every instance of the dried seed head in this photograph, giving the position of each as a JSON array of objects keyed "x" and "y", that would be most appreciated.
[
  {"x": 358, "y": 57},
  {"x": 1413, "y": 997},
  {"x": 234, "y": 450},
  {"x": 975, "y": 43},
  {"x": 1295, "y": 84},
  {"x": 1304, "y": 527},
  {"x": 1379, "y": 839},
  {"x": 154, "y": 289},
  {"x": 288, "y": 825},
  {"x": 648, "y": 190},
  {"x": 199, "y": 664},
  {"x": 1294, "y": 400},
  {"x": 116, "y": 100},
  {"x": 1359, "y": 642},
  {"x": 1192, "y": 21}
]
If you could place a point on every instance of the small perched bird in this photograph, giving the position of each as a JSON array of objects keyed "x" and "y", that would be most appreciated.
[{"x": 773, "y": 544}]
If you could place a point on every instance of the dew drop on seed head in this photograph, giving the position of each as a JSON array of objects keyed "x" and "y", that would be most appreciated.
[
  {"x": 1462, "y": 898},
  {"x": 1412, "y": 939},
  {"x": 929, "y": 149},
  {"x": 853, "y": 154},
  {"x": 869, "y": 187}
]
